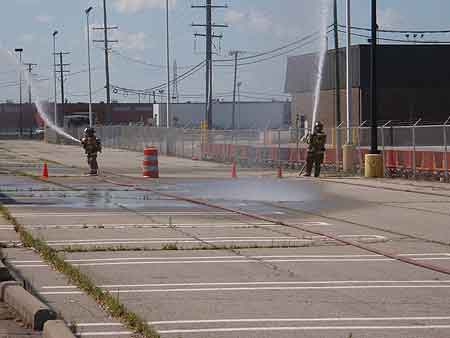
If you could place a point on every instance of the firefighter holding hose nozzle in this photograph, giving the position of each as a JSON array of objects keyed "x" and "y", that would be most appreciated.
[
  {"x": 91, "y": 145},
  {"x": 316, "y": 150}
]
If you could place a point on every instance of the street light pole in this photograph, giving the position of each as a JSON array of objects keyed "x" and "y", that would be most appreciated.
[
  {"x": 373, "y": 85},
  {"x": 87, "y": 11},
  {"x": 374, "y": 160},
  {"x": 168, "y": 64},
  {"x": 349, "y": 73},
  {"x": 55, "y": 105},
  {"x": 20, "y": 51}
]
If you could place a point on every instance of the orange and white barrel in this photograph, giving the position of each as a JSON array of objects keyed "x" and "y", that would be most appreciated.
[{"x": 150, "y": 165}]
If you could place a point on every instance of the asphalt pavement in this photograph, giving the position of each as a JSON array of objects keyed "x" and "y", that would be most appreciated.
[{"x": 198, "y": 254}]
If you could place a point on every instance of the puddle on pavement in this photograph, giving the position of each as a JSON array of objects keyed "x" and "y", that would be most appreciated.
[
  {"x": 249, "y": 189},
  {"x": 250, "y": 194},
  {"x": 91, "y": 199}
]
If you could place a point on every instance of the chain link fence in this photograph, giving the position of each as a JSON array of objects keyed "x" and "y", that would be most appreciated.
[{"x": 408, "y": 151}]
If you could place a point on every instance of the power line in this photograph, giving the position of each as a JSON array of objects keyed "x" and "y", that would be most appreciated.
[
  {"x": 293, "y": 43},
  {"x": 411, "y": 31},
  {"x": 306, "y": 43},
  {"x": 398, "y": 40},
  {"x": 149, "y": 91},
  {"x": 144, "y": 63}
]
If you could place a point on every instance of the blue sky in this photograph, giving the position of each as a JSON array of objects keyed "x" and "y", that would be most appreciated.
[{"x": 255, "y": 25}]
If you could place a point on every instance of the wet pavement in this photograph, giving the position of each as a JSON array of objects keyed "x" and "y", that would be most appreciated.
[{"x": 197, "y": 271}]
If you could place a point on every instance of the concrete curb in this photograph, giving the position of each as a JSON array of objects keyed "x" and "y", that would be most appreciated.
[
  {"x": 33, "y": 312},
  {"x": 3, "y": 286},
  {"x": 57, "y": 329},
  {"x": 4, "y": 273}
]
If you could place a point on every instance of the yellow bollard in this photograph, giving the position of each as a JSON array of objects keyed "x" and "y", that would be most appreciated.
[{"x": 374, "y": 166}]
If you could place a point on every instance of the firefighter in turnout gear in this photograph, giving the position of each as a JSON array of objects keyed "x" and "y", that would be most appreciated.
[
  {"x": 92, "y": 145},
  {"x": 316, "y": 150}
]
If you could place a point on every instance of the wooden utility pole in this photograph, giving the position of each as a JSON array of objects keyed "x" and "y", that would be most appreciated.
[
  {"x": 209, "y": 26},
  {"x": 62, "y": 71}
]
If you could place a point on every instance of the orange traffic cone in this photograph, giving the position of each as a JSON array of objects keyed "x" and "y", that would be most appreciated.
[
  {"x": 45, "y": 171},
  {"x": 233, "y": 170},
  {"x": 280, "y": 172}
]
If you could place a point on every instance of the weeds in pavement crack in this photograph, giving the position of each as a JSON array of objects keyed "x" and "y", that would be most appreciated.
[{"x": 105, "y": 299}]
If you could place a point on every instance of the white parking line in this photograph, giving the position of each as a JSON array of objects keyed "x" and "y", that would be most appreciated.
[
  {"x": 262, "y": 288},
  {"x": 232, "y": 257},
  {"x": 286, "y": 328},
  {"x": 116, "y": 286},
  {"x": 231, "y": 261},
  {"x": 276, "y": 320},
  {"x": 306, "y": 328},
  {"x": 126, "y": 213},
  {"x": 226, "y": 259}
]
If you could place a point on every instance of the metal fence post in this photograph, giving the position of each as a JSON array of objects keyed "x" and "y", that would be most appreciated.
[
  {"x": 279, "y": 148},
  {"x": 359, "y": 148},
  {"x": 383, "y": 144},
  {"x": 192, "y": 144},
  {"x": 338, "y": 145},
  {"x": 446, "y": 150},
  {"x": 182, "y": 142},
  {"x": 414, "y": 147}
]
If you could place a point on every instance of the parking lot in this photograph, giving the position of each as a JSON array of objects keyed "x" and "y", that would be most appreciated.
[{"x": 198, "y": 254}]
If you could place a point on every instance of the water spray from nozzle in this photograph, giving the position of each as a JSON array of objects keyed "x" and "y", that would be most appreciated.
[
  {"x": 325, "y": 6},
  {"x": 37, "y": 101}
]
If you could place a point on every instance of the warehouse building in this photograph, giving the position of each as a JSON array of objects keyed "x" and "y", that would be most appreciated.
[
  {"x": 14, "y": 115},
  {"x": 413, "y": 83},
  {"x": 248, "y": 115}
]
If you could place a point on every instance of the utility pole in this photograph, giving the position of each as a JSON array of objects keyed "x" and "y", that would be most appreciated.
[
  {"x": 55, "y": 98},
  {"x": 88, "y": 37},
  {"x": 349, "y": 73},
  {"x": 62, "y": 71},
  {"x": 30, "y": 69},
  {"x": 175, "y": 93},
  {"x": 209, "y": 26},
  {"x": 20, "y": 51},
  {"x": 347, "y": 149},
  {"x": 168, "y": 65},
  {"x": 106, "y": 42},
  {"x": 373, "y": 84},
  {"x": 374, "y": 160},
  {"x": 234, "y": 53},
  {"x": 338, "y": 80}
]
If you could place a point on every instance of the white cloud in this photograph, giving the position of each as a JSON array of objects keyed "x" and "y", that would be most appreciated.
[
  {"x": 132, "y": 41},
  {"x": 43, "y": 18},
  {"x": 253, "y": 19},
  {"x": 133, "y": 6},
  {"x": 233, "y": 17},
  {"x": 390, "y": 18}
]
